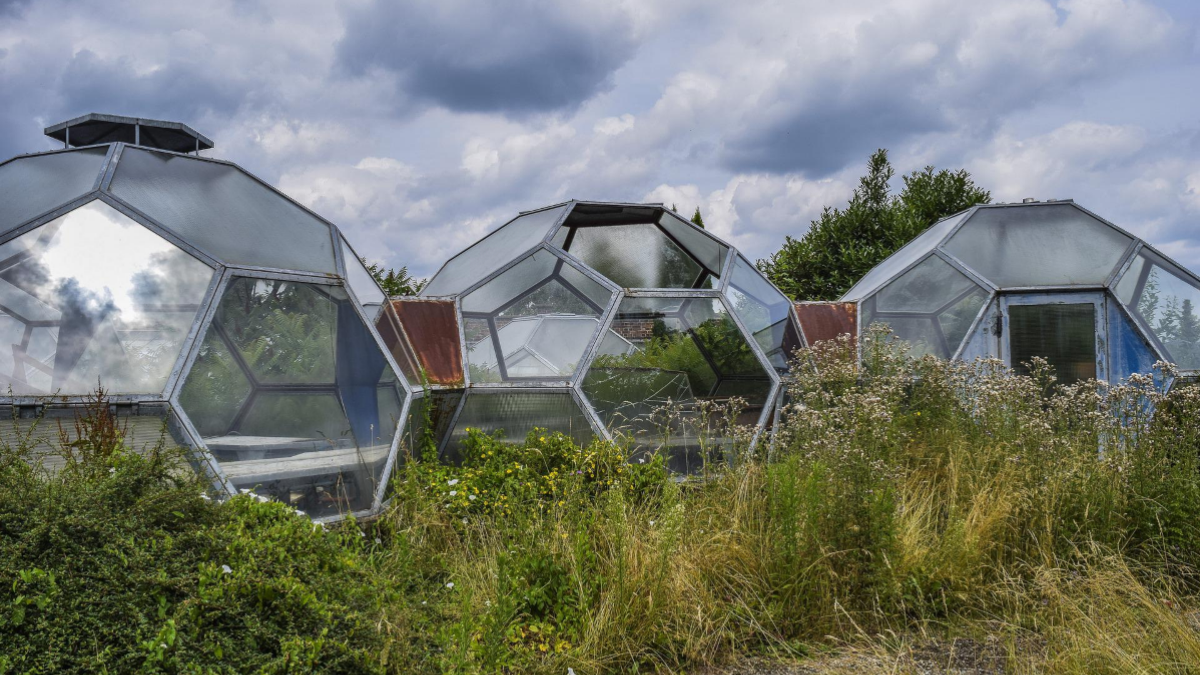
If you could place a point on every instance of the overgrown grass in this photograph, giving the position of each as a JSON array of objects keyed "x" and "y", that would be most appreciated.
[{"x": 902, "y": 500}]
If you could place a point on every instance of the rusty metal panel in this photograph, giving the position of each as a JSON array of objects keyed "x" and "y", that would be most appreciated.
[
  {"x": 827, "y": 320},
  {"x": 432, "y": 330}
]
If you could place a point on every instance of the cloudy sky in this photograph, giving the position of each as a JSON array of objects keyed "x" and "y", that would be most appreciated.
[{"x": 418, "y": 126}]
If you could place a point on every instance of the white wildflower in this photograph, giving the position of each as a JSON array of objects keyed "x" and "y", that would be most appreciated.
[
  {"x": 471, "y": 497},
  {"x": 452, "y": 482},
  {"x": 226, "y": 569},
  {"x": 449, "y": 584}
]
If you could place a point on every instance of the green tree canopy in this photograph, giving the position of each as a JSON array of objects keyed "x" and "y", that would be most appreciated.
[
  {"x": 844, "y": 244},
  {"x": 699, "y": 221},
  {"x": 395, "y": 282}
]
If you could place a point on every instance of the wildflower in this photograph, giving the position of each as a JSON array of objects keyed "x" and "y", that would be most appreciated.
[
  {"x": 652, "y": 523},
  {"x": 205, "y": 497},
  {"x": 449, "y": 584},
  {"x": 112, "y": 470},
  {"x": 226, "y": 569},
  {"x": 378, "y": 540},
  {"x": 453, "y": 492},
  {"x": 452, "y": 482},
  {"x": 362, "y": 534},
  {"x": 472, "y": 497}
]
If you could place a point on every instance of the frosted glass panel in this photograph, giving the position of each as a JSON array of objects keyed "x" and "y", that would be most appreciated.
[
  {"x": 907, "y": 255},
  {"x": 925, "y": 288},
  {"x": 32, "y": 186},
  {"x": 1042, "y": 245},
  {"x": 223, "y": 211},
  {"x": 636, "y": 256},
  {"x": 492, "y": 252}
]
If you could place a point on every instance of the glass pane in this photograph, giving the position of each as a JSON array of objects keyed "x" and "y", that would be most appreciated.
[
  {"x": 920, "y": 332},
  {"x": 515, "y": 414},
  {"x": 956, "y": 319},
  {"x": 44, "y": 442},
  {"x": 542, "y": 320},
  {"x": 1129, "y": 352},
  {"x": 429, "y": 420},
  {"x": 32, "y": 186},
  {"x": 1064, "y": 335},
  {"x": 492, "y": 252},
  {"x": 597, "y": 293},
  {"x": 316, "y": 426},
  {"x": 361, "y": 282},
  {"x": 695, "y": 241},
  {"x": 636, "y": 256},
  {"x": 926, "y": 288},
  {"x": 1039, "y": 245},
  {"x": 98, "y": 298},
  {"x": 1166, "y": 299},
  {"x": 765, "y": 311},
  {"x": 223, "y": 211},
  {"x": 682, "y": 350},
  {"x": 907, "y": 255}
]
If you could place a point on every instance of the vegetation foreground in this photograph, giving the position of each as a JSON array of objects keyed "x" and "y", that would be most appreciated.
[{"x": 903, "y": 501}]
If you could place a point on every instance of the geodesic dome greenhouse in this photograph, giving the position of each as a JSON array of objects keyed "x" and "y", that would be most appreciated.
[
  {"x": 206, "y": 304},
  {"x": 1047, "y": 279},
  {"x": 611, "y": 320}
]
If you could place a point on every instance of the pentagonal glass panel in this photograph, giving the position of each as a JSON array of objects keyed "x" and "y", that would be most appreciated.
[
  {"x": 223, "y": 211},
  {"x": 921, "y": 333},
  {"x": 956, "y": 319},
  {"x": 706, "y": 250},
  {"x": 514, "y": 413},
  {"x": 316, "y": 428},
  {"x": 34, "y": 185},
  {"x": 924, "y": 289},
  {"x": 365, "y": 288},
  {"x": 636, "y": 256},
  {"x": 532, "y": 321},
  {"x": 765, "y": 311},
  {"x": 1166, "y": 299},
  {"x": 492, "y": 252},
  {"x": 1041, "y": 245},
  {"x": 911, "y": 252},
  {"x": 99, "y": 300}
]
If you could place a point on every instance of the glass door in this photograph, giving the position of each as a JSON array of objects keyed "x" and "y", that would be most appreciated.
[{"x": 1066, "y": 329}]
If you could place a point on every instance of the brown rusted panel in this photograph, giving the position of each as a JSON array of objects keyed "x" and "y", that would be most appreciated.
[
  {"x": 432, "y": 330},
  {"x": 827, "y": 320}
]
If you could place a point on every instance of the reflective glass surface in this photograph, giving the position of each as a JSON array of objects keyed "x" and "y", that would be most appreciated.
[
  {"x": 1166, "y": 298},
  {"x": 292, "y": 395},
  {"x": 765, "y": 311},
  {"x": 93, "y": 297},
  {"x": 368, "y": 292},
  {"x": 911, "y": 252},
  {"x": 531, "y": 321},
  {"x": 1040, "y": 245},
  {"x": 1063, "y": 334},
  {"x": 492, "y": 252},
  {"x": 515, "y": 414},
  {"x": 684, "y": 351},
  {"x": 223, "y": 211},
  {"x": 706, "y": 250},
  {"x": 931, "y": 306},
  {"x": 636, "y": 256},
  {"x": 32, "y": 186}
]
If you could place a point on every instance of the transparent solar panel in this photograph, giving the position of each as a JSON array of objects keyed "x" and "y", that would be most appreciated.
[
  {"x": 1046, "y": 245},
  {"x": 91, "y": 299},
  {"x": 223, "y": 211},
  {"x": 34, "y": 185},
  {"x": 492, "y": 252}
]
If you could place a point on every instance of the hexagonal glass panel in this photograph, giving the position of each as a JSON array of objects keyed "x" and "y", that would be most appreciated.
[
  {"x": 534, "y": 321},
  {"x": 931, "y": 306},
  {"x": 94, "y": 298},
  {"x": 223, "y": 211},
  {"x": 1167, "y": 300},
  {"x": 686, "y": 351},
  {"x": 292, "y": 395},
  {"x": 31, "y": 186},
  {"x": 765, "y": 311},
  {"x": 515, "y": 413},
  {"x": 641, "y": 247},
  {"x": 491, "y": 253},
  {"x": 1038, "y": 245}
]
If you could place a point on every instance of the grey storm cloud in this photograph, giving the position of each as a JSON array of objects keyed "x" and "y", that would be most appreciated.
[
  {"x": 180, "y": 90},
  {"x": 515, "y": 57},
  {"x": 820, "y": 139}
]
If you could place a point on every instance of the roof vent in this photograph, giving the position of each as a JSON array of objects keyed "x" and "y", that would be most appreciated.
[
  {"x": 1028, "y": 200},
  {"x": 97, "y": 129}
]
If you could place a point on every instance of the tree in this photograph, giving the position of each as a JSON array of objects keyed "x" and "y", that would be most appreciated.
[
  {"x": 697, "y": 220},
  {"x": 395, "y": 282},
  {"x": 844, "y": 244}
]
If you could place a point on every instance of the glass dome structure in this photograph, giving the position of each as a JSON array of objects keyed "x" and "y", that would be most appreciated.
[
  {"x": 610, "y": 320},
  {"x": 202, "y": 301},
  {"x": 1048, "y": 279}
]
